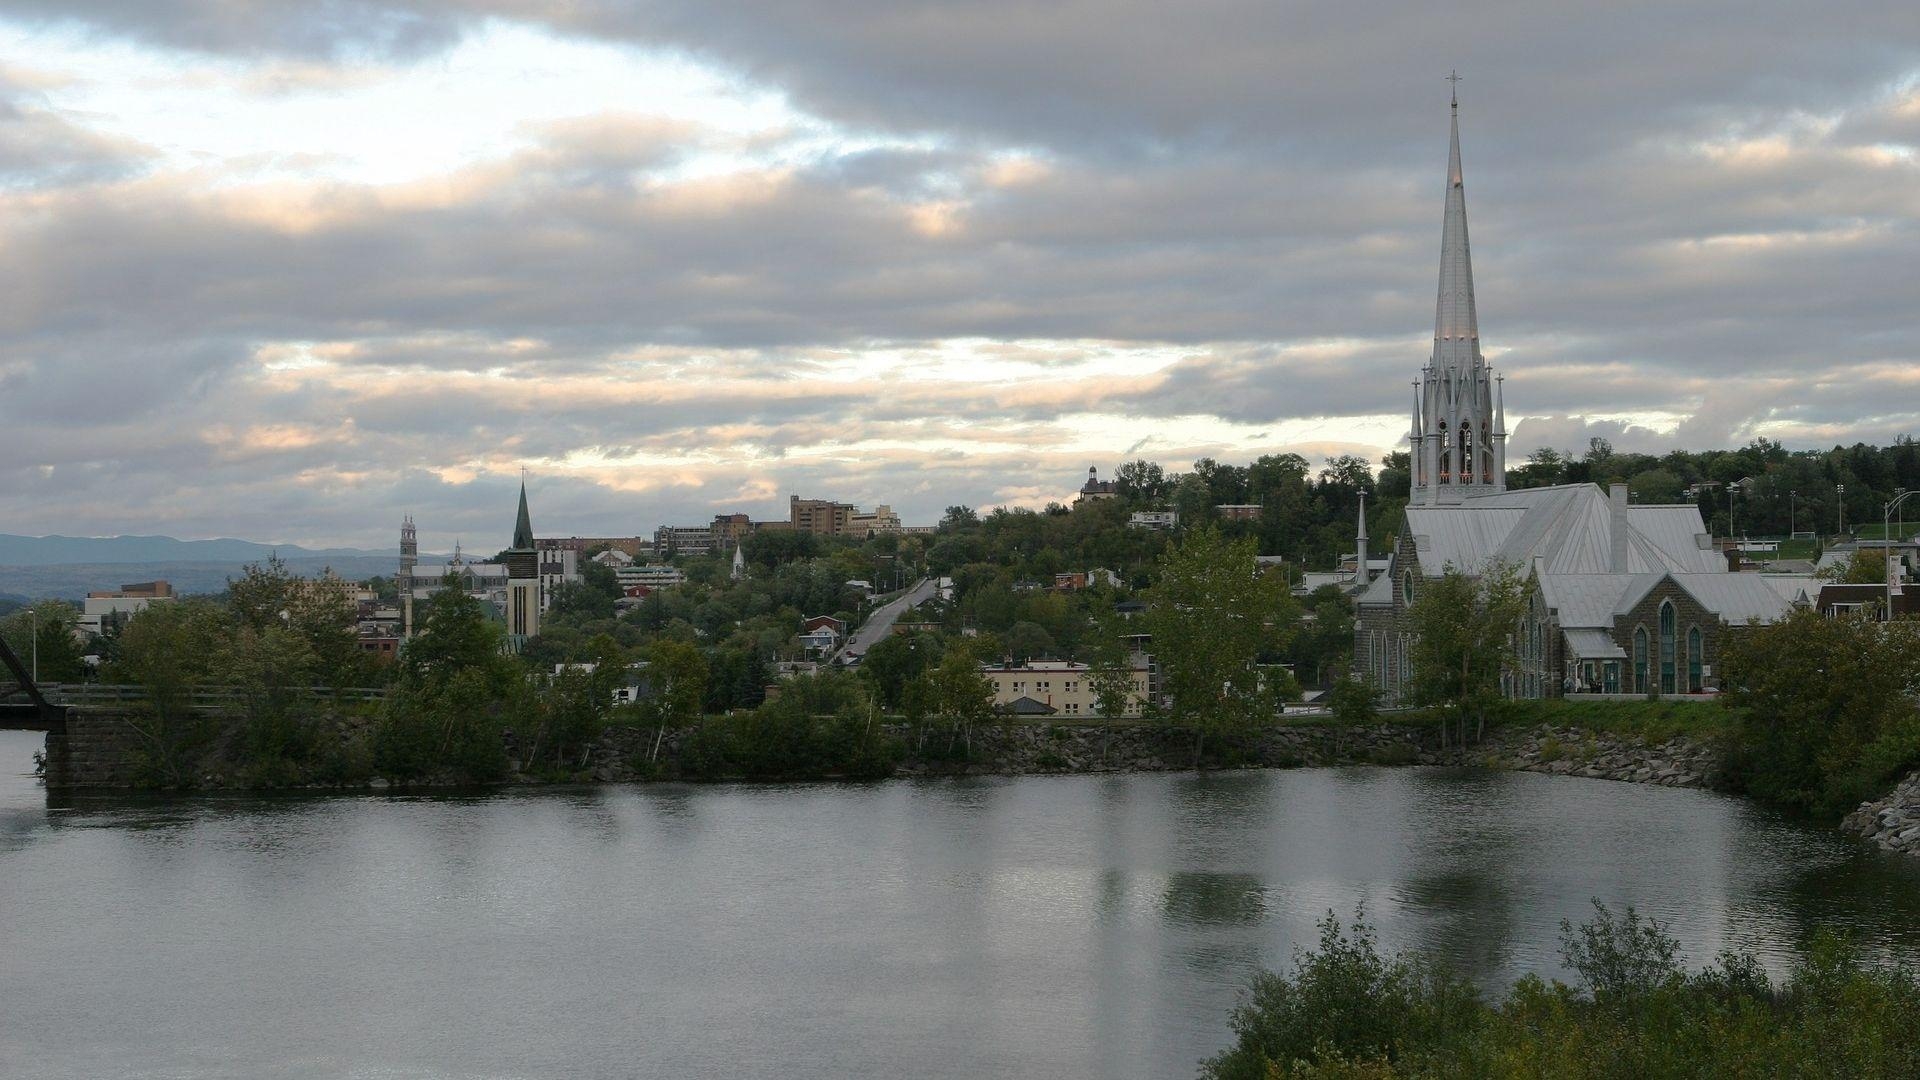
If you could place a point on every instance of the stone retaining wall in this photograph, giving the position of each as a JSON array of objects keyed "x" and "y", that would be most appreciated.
[
  {"x": 1892, "y": 822},
  {"x": 1563, "y": 751},
  {"x": 1023, "y": 749}
]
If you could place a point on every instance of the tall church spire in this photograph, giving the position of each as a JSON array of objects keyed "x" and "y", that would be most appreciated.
[
  {"x": 1456, "y": 326},
  {"x": 1458, "y": 440}
]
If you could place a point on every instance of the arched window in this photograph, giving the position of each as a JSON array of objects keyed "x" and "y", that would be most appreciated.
[
  {"x": 1466, "y": 453},
  {"x": 1406, "y": 588},
  {"x": 1639, "y": 660},
  {"x": 1694, "y": 682},
  {"x": 1667, "y": 646},
  {"x": 1446, "y": 455}
]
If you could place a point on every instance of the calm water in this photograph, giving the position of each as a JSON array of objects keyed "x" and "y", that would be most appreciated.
[{"x": 1034, "y": 927}]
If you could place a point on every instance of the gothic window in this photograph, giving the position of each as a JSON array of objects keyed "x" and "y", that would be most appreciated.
[
  {"x": 1446, "y": 455},
  {"x": 1667, "y": 646},
  {"x": 1639, "y": 660},
  {"x": 1406, "y": 588},
  {"x": 1694, "y": 681},
  {"x": 1466, "y": 453}
]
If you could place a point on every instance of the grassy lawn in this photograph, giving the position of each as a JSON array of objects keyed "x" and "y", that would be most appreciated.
[
  {"x": 1789, "y": 549},
  {"x": 1655, "y": 721}
]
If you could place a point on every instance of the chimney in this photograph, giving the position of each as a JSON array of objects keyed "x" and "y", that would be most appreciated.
[{"x": 1617, "y": 527}]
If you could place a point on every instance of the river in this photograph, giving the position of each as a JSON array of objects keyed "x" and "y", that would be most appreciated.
[{"x": 1082, "y": 926}]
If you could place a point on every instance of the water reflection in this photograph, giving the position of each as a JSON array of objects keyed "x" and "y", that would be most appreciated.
[{"x": 1041, "y": 926}]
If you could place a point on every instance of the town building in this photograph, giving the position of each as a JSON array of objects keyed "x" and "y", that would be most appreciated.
[
  {"x": 822, "y": 517},
  {"x": 1238, "y": 511},
  {"x": 1059, "y": 687},
  {"x": 1163, "y": 520},
  {"x": 631, "y": 546},
  {"x": 865, "y": 525},
  {"x": 1096, "y": 489},
  {"x": 822, "y": 634},
  {"x": 670, "y": 540},
  {"x": 1620, "y": 598},
  {"x": 559, "y": 565},
  {"x": 113, "y": 606},
  {"x": 647, "y": 578},
  {"x": 729, "y": 530}
]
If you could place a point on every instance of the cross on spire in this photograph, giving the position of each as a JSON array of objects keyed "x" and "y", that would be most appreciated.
[{"x": 1454, "y": 78}]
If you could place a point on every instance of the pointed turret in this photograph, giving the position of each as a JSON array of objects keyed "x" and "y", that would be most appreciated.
[{"x": 523, "y": 525}]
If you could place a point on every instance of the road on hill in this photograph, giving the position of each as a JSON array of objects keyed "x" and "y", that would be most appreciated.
[{"x": 880, "y": 624}]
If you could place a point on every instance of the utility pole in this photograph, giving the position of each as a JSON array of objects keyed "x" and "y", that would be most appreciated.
[
  {"x": 1886, "y": 518},
  {"x": 36, "y": 643},
  {"x": 1840, "y": 496}
]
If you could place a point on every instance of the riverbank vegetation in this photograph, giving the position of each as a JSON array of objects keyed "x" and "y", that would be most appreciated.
[
  {"x": 1826, "y": 711},
  {"x": 1635, "y": 1009}
]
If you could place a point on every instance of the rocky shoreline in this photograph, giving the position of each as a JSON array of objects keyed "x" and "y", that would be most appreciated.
[
  {"x": 1893, "y": 822},
  {"x": 1566, "y": 751}
]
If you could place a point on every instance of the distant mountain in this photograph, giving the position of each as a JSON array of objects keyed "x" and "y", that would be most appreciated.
[
  {"x": 78, "y": 550},
  {"x": 72, "y": 581}
]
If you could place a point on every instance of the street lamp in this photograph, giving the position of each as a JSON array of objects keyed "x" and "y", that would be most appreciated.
[
  {"x": 1886, "y": 537},
  {"x": 1840, "y": 496},
  {"x": 35, "y": 612},
  {"x": 1793, "y": 512}
]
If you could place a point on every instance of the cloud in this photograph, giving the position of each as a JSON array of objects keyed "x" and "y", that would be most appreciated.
[{"x": 974, "y": 249}]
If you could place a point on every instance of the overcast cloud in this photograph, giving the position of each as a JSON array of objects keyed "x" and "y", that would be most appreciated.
[{"x": 288, "y": 271}]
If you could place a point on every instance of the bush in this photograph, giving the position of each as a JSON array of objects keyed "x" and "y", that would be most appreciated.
[{"x": 1346, "y": 1011}]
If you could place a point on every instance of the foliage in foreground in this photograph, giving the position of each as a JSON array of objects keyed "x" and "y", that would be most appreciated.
[
  {"x": 1347, "y": 1011},
  {"x": 1824, "y": 709}
]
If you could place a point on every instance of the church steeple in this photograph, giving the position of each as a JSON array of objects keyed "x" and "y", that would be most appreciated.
[
  {"x": 523, "y": 525},
  {"x": 1458, "y": 440},
  {"x": 1456, "y": 325}
]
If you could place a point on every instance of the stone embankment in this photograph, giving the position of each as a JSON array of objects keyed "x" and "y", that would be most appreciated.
[
  {"x": 1677, "y": 762},
  {"x": 627, "y": 753},
  {"x": 1892, "y": 822}
]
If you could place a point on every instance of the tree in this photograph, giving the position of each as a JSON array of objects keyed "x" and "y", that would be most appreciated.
[
  {"x": 960, "y": 693},
  {"x": 1212, "y": 615},
  {"x": 1141, "y": 481},
  {"x": 457, "y": 694},
  {"x": 1656, "y": 486},
  {"x": 580, "y": 601},
  {"x": 1824, "y": 707},
  {"x": 678, "y": 673},
  {"x": 772, "y": 548},
  {"x": 1029, "y": 640},
  {"x": 1463, "y": 641},
  {"x": 53, "y": 627},
  {"x": 169, "y": 649},
  {"x": 319, "y": 611},
  {"x": 895, "y": 661},
  {"x": 1868, "y": 566},
  {"x": 1111, "y": 673}
]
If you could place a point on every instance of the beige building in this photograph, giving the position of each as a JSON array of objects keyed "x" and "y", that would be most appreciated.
[
  {"x": 823, "y": 517},
  {"x": 864, "y": 525},
  {"x": 1056, "y": 688}
]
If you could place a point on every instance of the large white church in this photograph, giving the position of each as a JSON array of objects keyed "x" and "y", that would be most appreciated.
[{"x": 1622, "y": 598}]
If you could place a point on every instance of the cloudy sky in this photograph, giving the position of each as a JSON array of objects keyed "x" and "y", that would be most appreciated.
[{"x": 289, "y": 270}]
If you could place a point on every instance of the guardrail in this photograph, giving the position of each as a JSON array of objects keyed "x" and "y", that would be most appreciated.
[{"x": 199, "y": 696}]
